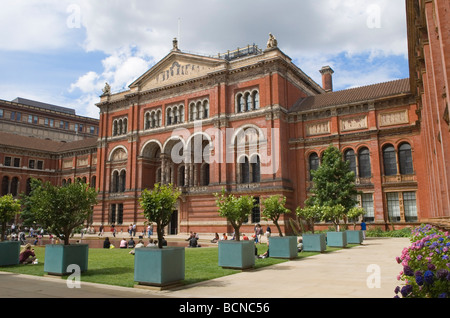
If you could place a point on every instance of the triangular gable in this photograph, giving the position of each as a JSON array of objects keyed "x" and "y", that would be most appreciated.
[{"x": 177, "y": 67}]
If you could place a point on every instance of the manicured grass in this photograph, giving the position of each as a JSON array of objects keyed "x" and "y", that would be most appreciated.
[{"x": 116, "y": 266}]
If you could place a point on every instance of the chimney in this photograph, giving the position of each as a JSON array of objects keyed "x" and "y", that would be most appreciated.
[{"x": 327, "y": 78}]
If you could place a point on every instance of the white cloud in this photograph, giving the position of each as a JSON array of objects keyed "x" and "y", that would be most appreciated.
[{"x": 135, "y": 34}]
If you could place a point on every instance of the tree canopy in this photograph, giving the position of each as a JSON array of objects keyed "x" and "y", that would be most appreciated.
[
  {"x": 60, "y": 209},
  {"x": 274, "y": 208},
  {"x": 333, "y": 186},
  {"x": 235, "y": 209},
  {"x": 9, "y": 208},
  {"x": 158, "y": 205}
]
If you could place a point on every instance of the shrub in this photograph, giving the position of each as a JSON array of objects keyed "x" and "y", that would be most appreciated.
[{"x": 425, "y": 265}]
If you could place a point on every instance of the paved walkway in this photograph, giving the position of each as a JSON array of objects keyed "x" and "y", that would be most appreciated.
[{"x": 366, "y": 271}]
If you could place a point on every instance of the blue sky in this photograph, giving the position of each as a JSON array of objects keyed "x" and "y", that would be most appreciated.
[{"x": 63, "y": 51}]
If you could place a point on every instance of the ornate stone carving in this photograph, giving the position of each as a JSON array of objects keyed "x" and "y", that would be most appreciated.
[
  {"x": 394, "y": 118},
  {"x": 82, "y": 162},
  {"x": 119, "y": 155},
  {"x": 315, "y": 129},
  {"x": 354, "y": 123}
]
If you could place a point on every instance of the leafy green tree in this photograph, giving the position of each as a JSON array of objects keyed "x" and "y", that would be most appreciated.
[
  {"x": 334, "y": 214},
  {"x": 274, "y": 208},
  {"x": 355, "y": 213},
  {"x": 235, "y": 209},
  {"x": 333, "y": 184},
  {"x": 9, "y": 208},
  {"x": 309, "y": 214},
  {"x": 60, "y": 209},
  {"x": 158, "y": 205}
]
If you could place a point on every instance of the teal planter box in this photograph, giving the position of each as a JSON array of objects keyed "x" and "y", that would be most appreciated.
[
  {"x": 354, "y": 237},
  {"x": 337, "y": 239},
  {"x": 59, "y": 257},
  {"x": 9, "y": 253},
  {"x": 159, "y": 267},
  {"x": 314, "y": 243},
  {"x": 283, "y": 247},
  {"x": 237, "y": 254}
]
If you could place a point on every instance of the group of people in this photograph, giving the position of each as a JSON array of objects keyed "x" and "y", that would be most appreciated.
[
  {"x": 131, "y": 243},
  {"x": 132, "y": 229}
]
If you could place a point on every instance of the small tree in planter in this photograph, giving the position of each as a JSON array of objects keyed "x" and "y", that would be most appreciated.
[
  {"x": 355, "y": 237},
  {"x": 282, "y": 247},
  {"x": 235, "y": 209},
  {"x": 9, "y": 208},
  {"x": 162, "y": 266},
  {"x": 9, "y": 251},
  {"x": 235, "y": 253},
  {"x": 61, "y": 210},
  {"x": 274, "y": 208},
  {"x": 312, "y": 242},
  {"x": 309, "y": 214},
  {"x": 334, "y": 214},
  {"x": 158, "y": 205},
  {"x": 354, "y": 214}
]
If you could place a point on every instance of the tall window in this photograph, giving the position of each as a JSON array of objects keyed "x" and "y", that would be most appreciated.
[
  {"x": 245, "y": 170},
  {"x": 389, "y": 161},
  {"x": 409, "y": 204},
  {"x": 364, "y": 163},
  {"x": 393, "y": 205},
  {"x": 405, "y": 159},
  {"x": 256, "y": 211},
  {"x": 367, "y": 205},
  {"x": 313, "y": 164},
  {"x": 349, "y": 156},
  {"x": 256, "y": 169},
  {"x": 115, "y": 182}
]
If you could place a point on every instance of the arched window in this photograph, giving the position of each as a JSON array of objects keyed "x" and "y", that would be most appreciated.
[
  {"x": 256, "y": 99},
  {"x": 115, "y": 182},
  {"x": 115, "y": 128},
  {"x": 245, "y": 170},
  {"x": 15, "y": 186},
  {"x": 389, "y": 161},
  {"x": 205, "y": 109},
  {"x": 256, "y": 169},
  {"x": 28, "y": 188},
  {"x": 240, "y": 104},
  {"x": 405, "y": 159},
  {"x": 365, "y": 170},
  {"x": 122, "y": 180},
  {"x": 248, "y": 102},
  {"x": 349, "y": 156},
  {"x": 148, "y": 122},
  {"x": 93, "y": 182},
  {"x": 5, "y": 185},
  {"x": 313, "y": 164}
]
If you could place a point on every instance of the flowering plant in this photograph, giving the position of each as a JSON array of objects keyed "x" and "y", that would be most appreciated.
[{"x": 425, "y": 264}]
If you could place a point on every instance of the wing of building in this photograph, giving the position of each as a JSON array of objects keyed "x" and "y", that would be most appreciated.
[{"x": 253, "y": 122}]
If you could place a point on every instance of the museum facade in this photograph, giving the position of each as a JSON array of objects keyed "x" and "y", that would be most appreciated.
[{"x": 252, "y": 122}]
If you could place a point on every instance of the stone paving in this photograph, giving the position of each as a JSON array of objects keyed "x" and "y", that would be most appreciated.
[{"x": 365, "y": 271}]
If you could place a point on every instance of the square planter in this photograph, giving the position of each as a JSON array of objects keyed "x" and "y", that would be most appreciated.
[
  {"x": 337, "y": 239},
  {"x": 9, "y": 253},
  {"x": 314, "y": 243},
  {"x": 237, "y": 254},
  {"x": 59, "y": 257},
  {"x": 354, "y": 237},
  {"x": 159, "y": 267},
  {"x": 283, "y": 247}
]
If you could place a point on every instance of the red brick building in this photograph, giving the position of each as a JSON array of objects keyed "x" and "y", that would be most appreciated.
[{"x": 253, "y": 122}]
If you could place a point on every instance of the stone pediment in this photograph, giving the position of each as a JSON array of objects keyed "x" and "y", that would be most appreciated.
[{"x": 175, "y": 68}]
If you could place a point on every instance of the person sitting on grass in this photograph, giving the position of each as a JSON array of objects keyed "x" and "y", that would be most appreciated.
[{"x": 27, "y": 255}]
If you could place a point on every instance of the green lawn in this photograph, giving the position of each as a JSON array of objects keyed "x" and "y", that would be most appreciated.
[{"x": 116, "y": 266}]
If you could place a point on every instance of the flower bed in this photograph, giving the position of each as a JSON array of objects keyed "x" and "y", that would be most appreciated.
[{"x": 425, "y": 264}]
